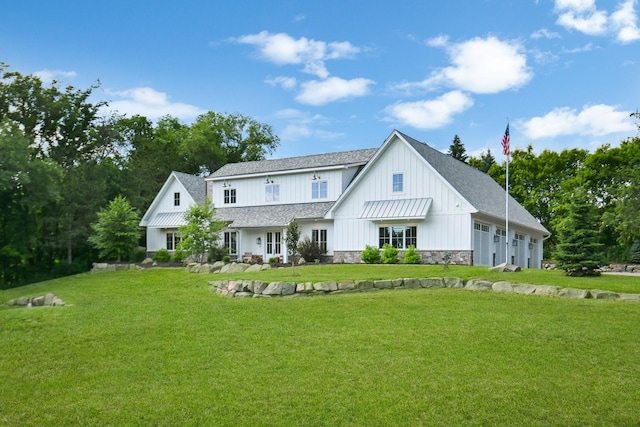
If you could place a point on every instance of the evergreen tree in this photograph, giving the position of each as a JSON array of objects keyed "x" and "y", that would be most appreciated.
[
  {"x": 116, "y": 232},
  {"x": 483, "y": 163},
  {"x": 457, "y": 150},
  {"x": 578, "y": 251},
  {"x": 634, "y": 253}
]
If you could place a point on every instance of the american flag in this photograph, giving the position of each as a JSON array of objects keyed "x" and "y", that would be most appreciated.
[{"x": 505, "y": 142}]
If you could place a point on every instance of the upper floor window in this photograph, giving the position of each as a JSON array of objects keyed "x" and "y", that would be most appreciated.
[
  {"x": 398, "y": 182},
  {"x": 319, "y": 190},
  {"x": 272, "y": 193},
  {"x": 176, "y": 199},
  {"x": 229, "y": 196}
]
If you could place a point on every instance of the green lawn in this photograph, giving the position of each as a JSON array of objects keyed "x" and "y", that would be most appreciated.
[{"x": 157, "y": 347}]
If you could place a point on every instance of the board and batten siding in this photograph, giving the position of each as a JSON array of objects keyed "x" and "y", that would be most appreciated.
[
  {"x": 447, "y": 224},
  {"x": 294, "y": 187}
]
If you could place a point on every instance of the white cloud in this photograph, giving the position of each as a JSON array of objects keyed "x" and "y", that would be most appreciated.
[
  {"x": 320, "y": 92},
  {"x": 595, "y": 120},
  {"x": 150, "y": 103},
  {"x": 302, "y": 125},
  {"x": 625, "y": 21},
  {"x": 586, "y": 48},
  {"x": 282, "y": 49},
  {"x": 48, "y": 76},
  {"x": 429, "y": 114},
  {"x": 284, "y": 82},
  {"x": 584, "y": 16},
  {"x": 479, "y": 66},
  {"x": 545, "y": 34}
]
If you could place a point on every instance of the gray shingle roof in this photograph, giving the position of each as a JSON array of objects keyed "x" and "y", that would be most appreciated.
[
  {"x": 195, "y": 185},
  {"x": 292, "y": 163},
  {"x": 478, "y": 188},
  {"x": 272, "y": 215}
]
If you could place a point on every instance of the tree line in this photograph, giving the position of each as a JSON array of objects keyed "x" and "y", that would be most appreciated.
[{"x": 62, "y": 161}]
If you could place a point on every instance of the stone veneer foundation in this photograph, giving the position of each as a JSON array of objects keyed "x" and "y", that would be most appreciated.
[{"x": 428, "y": 257}]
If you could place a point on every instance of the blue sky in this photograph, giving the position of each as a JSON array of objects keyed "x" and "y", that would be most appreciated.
[{"x": 341, "y": 75}]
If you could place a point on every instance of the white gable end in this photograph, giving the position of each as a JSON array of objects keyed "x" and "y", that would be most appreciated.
[{"x": 414, "y": 180}]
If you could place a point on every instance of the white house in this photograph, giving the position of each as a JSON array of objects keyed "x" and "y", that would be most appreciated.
[
  {"x": 404, "y": 193},
  {"x": 164, "y": 216}
]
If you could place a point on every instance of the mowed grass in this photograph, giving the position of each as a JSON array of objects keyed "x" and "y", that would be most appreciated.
[{"x": 157, "y": 347}]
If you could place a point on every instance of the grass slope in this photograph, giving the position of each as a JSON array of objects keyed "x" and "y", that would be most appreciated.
[{"x": 156, "y": 347}]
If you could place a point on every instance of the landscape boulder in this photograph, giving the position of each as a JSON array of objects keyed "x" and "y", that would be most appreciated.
[
  {"x": 478, "y": 285},
  {"x": 505, "y": 268}
]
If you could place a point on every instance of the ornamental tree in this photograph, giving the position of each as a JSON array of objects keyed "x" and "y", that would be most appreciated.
[
  {"x": 201, "y": 231},
  {"x": 116, "y": 232}
]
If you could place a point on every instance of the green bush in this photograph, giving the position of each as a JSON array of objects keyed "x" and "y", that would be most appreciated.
[
  {"x": 634, "y": 253},
  {"x": 226, "y": 259},
  {"x": 178, "y": 255},
  {"x": 162, "y": 255},
  {"x": 308, "y": 249},
  {"x": 371, "y": 255},
  {"x": 139, "y": 254},
  {"x": 217, "y": 253},
  {"x": 411, "y": 256},
  {"x": 389, "y": 254}
]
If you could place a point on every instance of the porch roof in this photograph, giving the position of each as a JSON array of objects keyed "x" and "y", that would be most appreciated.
[
  {"x": 271, "y": 215},
  {"x": 396, "y": 209},
  {"x": 167, "y": 220}
]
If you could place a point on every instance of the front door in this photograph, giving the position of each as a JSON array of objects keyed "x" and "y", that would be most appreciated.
[{"x": 274, "y": 244}]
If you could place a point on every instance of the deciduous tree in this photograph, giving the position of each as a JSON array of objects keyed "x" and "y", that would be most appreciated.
[
  {"x": 116, "y": 232},
  {"x": 201, "y": 231}
]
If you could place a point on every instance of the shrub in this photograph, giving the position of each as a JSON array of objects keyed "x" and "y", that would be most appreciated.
[
  {"x": 411, "y": 256},
  {"x": 217, "y": 253},
  {"x": 308, "y": 249},
  {"x": 178, "y": 255},
  {"x": 389, "y": 254},
  {"x": 162, "y": 255},
  {"x": 634, "y": 253},
  {"x": 139, "y": 254},
  {"x": 273, "y": 260},
  {"x": 371, "y": 255},
  {"x": 446, "y": 260},
  {"x": 226, "y": 258}
]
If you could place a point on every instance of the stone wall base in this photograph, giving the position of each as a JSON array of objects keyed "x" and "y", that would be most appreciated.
[{"x": 428, "y": 257}]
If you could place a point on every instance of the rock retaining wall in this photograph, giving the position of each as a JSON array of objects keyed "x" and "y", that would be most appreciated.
[{"x": 260, "y": 289}]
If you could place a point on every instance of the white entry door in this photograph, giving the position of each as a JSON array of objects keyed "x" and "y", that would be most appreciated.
[{"x": 274, "y": 244}]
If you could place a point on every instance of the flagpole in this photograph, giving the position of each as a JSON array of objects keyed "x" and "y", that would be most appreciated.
[
  {"x": 506, "y": 199},
  {"x": 506, "y": 150}
]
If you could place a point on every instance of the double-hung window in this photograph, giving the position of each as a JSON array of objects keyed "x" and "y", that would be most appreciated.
[
  {"x": 176, "y": 199},
  {"x": 272, "y": 193},
  {"x": 229, "y": 196},
  {"x": 398, "y": 182},
  {"x": 319, "y": 190}
]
